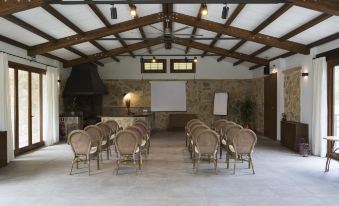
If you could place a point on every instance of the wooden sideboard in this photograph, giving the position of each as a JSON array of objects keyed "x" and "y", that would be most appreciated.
[
  {"x": 178, "y": 122},
  {"x": 3, "y": 149},
  {"x": 293, "y": 133}
]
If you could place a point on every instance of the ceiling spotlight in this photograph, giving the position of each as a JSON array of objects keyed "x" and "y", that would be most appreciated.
[
  {"x": 133, "y": 9},
  {"x": 224, "y": 13},
  {"x": 114, "y": 13},
  {"x": 204, "y": 10},
  {"x": 154, "y": 59},
  {"x": 195, "y": 59}
]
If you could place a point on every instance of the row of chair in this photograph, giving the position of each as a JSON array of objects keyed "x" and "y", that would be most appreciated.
[
  {"x": 232, "y": 138},
  {"x": 94, "y": 140}
]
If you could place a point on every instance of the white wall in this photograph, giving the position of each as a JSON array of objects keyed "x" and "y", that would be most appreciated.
[{"x": 23, "y": 53}]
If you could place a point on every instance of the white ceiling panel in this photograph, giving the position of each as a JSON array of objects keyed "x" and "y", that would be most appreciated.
[
  {"x": 135, "y": 33},
  {"x": 122, "y": 10},
  {"x": 64, "y": 54},
  {"x": 19, "y": 34},
  {"x": 80, "y": 15},
  {"x": 248, "y": 64},
  {"x": 322, "y": 30},
  {"x": 254, "y": 14},
  {"x": 291, "y": 19},
  {"x": 188, "y": 9},
  {"x": 271, "y": 53},
  {"x": 226, "y": 44},
  {"x": 109, "y": 44},
  {"x": 106, "y": 60},
  {"x": 215, "y": 10},
  {"x": 249, "y": 47},
  {"x": 230, "y": 59},
  {"x": 151, "y": 32},
  {"x": 42, "y": 20},
  {"x": 205, "y": 33},
  {"x": 147, "y": 9},
  {"x": 86, "y": 48}
]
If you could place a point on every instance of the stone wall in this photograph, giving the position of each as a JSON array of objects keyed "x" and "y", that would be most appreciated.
[
  {"x": 292, "y": 94},
  {"x": 200, "y": 94}
]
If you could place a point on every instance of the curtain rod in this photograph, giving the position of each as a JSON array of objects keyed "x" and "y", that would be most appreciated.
[{"x": 31, "y": 60}]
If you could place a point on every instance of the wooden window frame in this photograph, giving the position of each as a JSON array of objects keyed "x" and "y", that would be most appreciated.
[
  {"x": 163, "y": 61},
  {"x": 331, "y": 64},
  {"x": 16, "y": 67},
  {"x": 182, "y": 61}
]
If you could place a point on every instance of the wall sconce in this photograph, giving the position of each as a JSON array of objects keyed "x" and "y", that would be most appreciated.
[
  {"x": 127, "y": 100},
  {"x": 304, "y": 74},
  {"x": 274, "y": 70}
]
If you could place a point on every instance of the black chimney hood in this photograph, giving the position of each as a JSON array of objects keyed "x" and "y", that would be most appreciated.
[{"x": 84, "y": 80}]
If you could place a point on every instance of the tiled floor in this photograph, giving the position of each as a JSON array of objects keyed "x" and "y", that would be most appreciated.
[{"x": 282, "y": 178}]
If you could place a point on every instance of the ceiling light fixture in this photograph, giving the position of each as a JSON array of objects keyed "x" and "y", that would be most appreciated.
[
  {"x": 224, "y": 13},
  {"x": 204, "y": 10},
  {"x": 133, "y": 10},
  {"x": 114, "y": 13},
  {"x": 154, "y": 59},
  {"x": 195, "y": 59}
]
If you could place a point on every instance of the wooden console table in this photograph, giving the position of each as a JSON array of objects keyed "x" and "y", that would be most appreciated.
[
  {"x": 3, "y": 149},
  {"x": 293, "y": 133},
  {"x": 178, "y": 122}
]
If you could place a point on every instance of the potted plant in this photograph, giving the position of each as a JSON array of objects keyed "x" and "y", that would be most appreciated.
[
  {"x": 246, "y": 112},
  {"x": 73, "y": 106}
]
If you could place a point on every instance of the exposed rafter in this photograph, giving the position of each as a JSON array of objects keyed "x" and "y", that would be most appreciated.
[
  {"x": 168, "y": 10},
  {"x": 68, "y": 23},
  {"x": 11, "y": 7},
  {"x": 229, "y": 21},
  {"x": 142, "y": 32},
  {"x": 113, "y": 52},
  {"x": 241, "y": 33},
  {"x": 326, "y": 6},
  {"x": 222, "y": 51},
  {"x": 38, "y": 32},
  {"x": 95, "y": 34},
  {"x": 194, "y": 31},
  {"x": 292, "y": 33},
  {"x": 261, "y": 26}
]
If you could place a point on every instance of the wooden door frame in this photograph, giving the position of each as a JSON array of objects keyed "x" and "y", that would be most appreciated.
[
  {"x": 331, "y": 64},
  {"x": 30, "y": 70}
]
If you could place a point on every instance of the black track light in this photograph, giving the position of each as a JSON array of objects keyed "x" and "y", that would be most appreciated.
[
  {"x": 114, "y": 13},
  {"x": 224, "y": 13}
]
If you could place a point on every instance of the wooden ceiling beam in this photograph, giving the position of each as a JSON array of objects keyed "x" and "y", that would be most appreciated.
[
  {"x": 113, "y": 52},
  {"x": 68, "y": 23},
  {"x": 95, "y": 34},
  {"x": 292, "y": 33},
  {"x": 194, "y": 31},
  {"x": 142, "y": 32},
  {"x": 11, "y": 7},
  {"x": 221, "y": 51},
  {"x": 167, "y": 10},
  {"x": 261, "y": 26},
  {"x": 326, "y": 6},
  {"x": 229, "y": 21},
  {"x": 40, "y": 33},
  {"x": 241, "y": 33}
]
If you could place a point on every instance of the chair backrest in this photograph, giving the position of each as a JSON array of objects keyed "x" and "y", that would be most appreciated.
[
  {"x": 207, "y": 142},
  {"x": 196, "y": 130},
  {"x": 143, "y": 130},
  {"x": 245, "y": 141},
  {"x": 95, "y": 134},
  {"x": 80, "y": 142},
  {"x": 142, "y": 121},
  {"x": 113, "y": 125},
  {"x": 139, "y": 124},
  {"x": 225, "y": 128},
  {"x": 191, "y": 121},
  {"x": 126, "y": 142},
  {"x": 137, "y": 131},
  {"x": 105, "y": 130},
  {"x": 192, "y": 125},
  {"x": 232, "y": 132},
  {"x": 217, "y": 125}
]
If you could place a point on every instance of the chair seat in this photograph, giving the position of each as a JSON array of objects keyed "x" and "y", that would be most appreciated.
[
  {"x": 223, "y": 142},
  {"x": 231, "y": 148},
  {"x": 93, "y": 150},
  {"x": 103, "y": 142},
  {"x": 143, "y": 143}
]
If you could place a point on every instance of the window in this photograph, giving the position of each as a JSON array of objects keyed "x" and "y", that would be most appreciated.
[
  {"x": 159, "y": 66},
  {"x": 26, "y": 105},
  {"x": 182, "y": 66}
]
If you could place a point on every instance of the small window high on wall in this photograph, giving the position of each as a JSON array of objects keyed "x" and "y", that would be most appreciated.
[
  {"x": 182, "y": 66},
  {"x": 153, "y": 66}
]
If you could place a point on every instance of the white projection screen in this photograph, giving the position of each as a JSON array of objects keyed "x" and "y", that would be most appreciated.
[
  {"x": 220, "y": 103},
  {"x": 168, "y": 96}
]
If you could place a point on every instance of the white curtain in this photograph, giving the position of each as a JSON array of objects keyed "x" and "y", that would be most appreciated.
[
  {"x": 51, "y": 106},
  {"x": 319, "y": 117},
  {"x": 5, "y": 105}
]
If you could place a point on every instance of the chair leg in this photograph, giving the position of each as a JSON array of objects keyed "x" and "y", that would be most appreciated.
[
  {"x": 197, "y": 166},
  {"x": 118, "y": 163},
  {"x": 135, "y": 165},
  {"x": 235, "y": 162},
  {"x": 215, "y": 164},
  {"x": 70, "y": 173},
  {"x": 77, "y": 162},
  {"x": 251, "y": 161},
  {"x": 89, "y": 167},
  {"x": 98, "y": 161},
  {"x": 227, "y": 161},
  {"x": 107, "y": 148},
  {"x": 102, "y": 159},
  {"x": 140, "y": 160},
  {"x": 327, "y": 166}
]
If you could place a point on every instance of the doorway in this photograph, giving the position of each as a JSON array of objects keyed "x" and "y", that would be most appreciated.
[{"x": 270, "y": 106}]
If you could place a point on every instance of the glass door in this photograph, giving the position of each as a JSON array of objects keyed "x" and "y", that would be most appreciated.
[
  {"x": 336, "y": 101},
  {"x": 26, "y": 104}
]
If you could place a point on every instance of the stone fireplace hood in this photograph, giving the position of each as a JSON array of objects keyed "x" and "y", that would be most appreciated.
[{"x": 84, "y": 80}]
